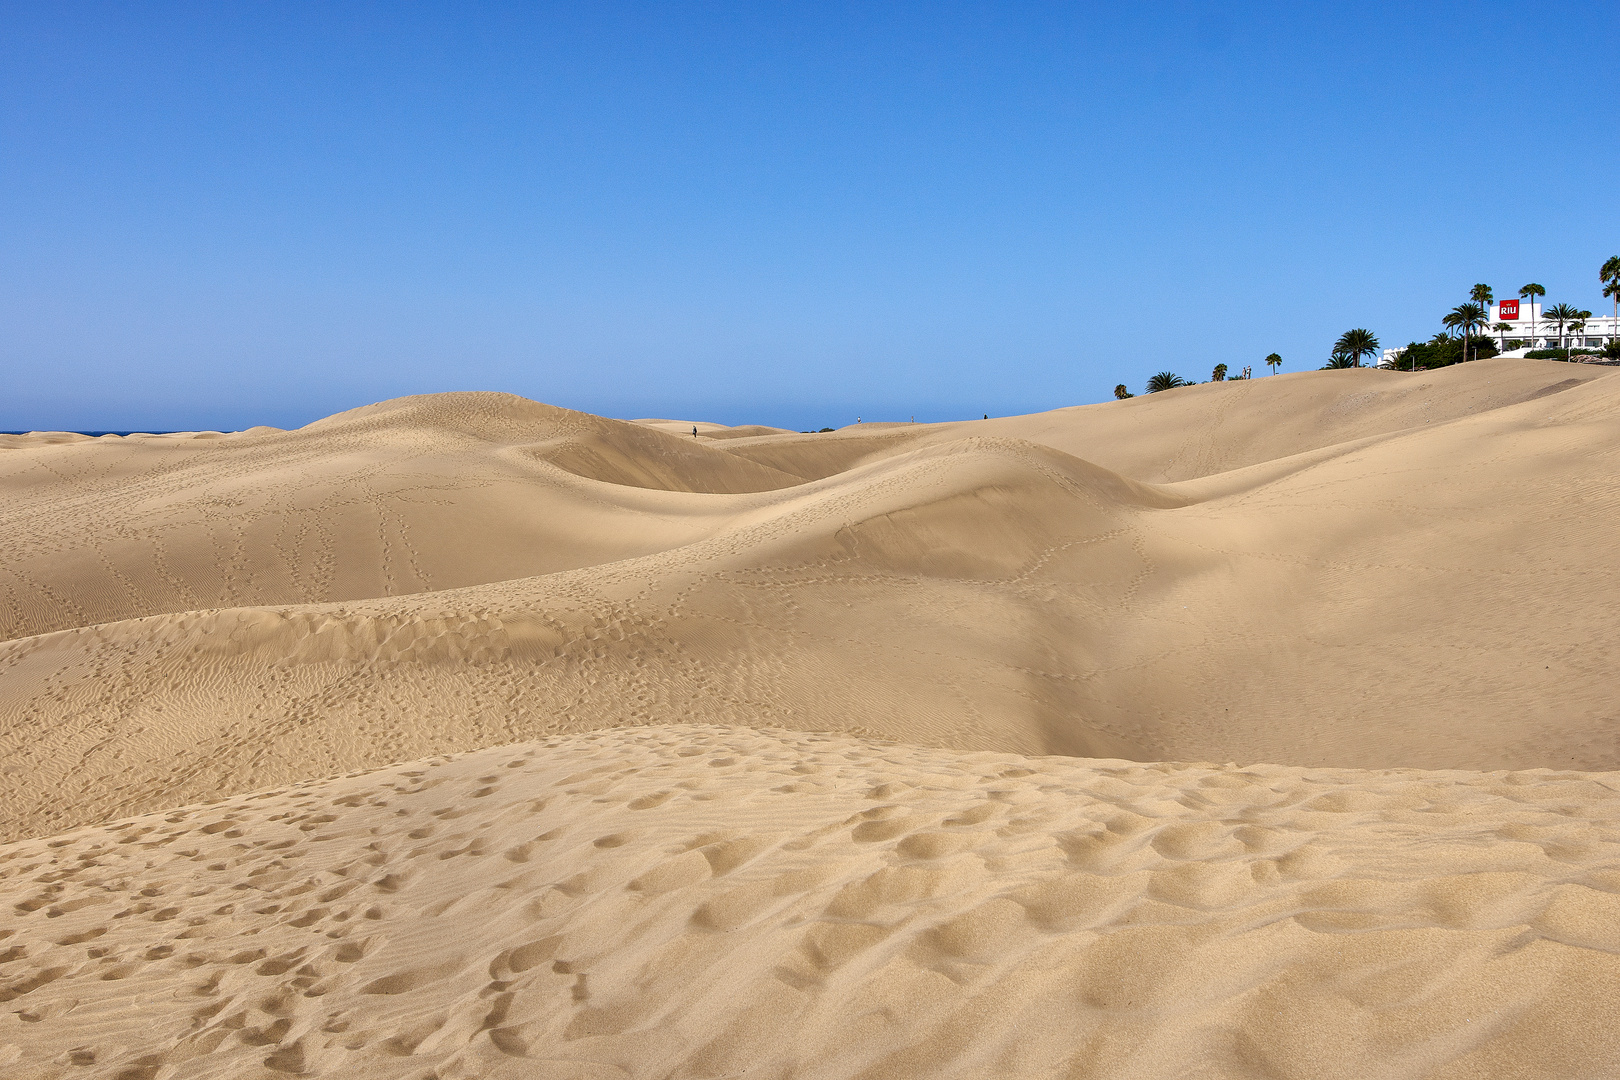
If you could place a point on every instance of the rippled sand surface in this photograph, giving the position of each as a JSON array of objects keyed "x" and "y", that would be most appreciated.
[{"x": 699, "y": 901}]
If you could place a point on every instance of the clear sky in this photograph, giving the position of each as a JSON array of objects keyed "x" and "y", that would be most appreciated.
[{"x": 215, "y": 215}]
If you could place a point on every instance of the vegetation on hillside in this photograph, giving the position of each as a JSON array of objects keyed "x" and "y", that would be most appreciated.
[
  {"x": 1609, "y": 351},
  {"x": 1442, "y": 350}
]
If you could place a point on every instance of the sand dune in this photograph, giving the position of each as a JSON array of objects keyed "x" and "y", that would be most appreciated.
[
  {"x": 415, "y": 494},
  {"x": 708, "y": 430},
  {"x": 460, "y": 489},
  {"x": 728, "y": 902},
  {"x": 1213, "y": 427},
  {"x": 1435, "y": 597},
  {"x": 673, "y": 845}
]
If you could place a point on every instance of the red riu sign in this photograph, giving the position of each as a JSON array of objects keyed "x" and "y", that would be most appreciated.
[{"x": 1507, "y": 309}]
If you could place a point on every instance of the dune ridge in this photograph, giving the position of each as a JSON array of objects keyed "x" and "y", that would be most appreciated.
[{"x": 394, "y": 498}]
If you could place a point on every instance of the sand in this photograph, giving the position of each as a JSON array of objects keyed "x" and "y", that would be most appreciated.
[
  {"x": 751, "y": 741},
  {"x": 708, "y": 902}
]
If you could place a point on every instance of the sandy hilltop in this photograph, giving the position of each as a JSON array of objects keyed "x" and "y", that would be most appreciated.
[{"x": 1261, "y": 729}]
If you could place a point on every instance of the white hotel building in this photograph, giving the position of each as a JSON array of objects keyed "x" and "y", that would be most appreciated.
[{"x": 1531, "y": 326}]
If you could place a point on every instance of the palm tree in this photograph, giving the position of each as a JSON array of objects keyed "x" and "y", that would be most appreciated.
[
  {"x": 1274, "y": 362},
  {"x": 1563, "y": 315},
  {"x": 1465, "y": 317},
  {"x": 1340, "y": 360},
  {"x": 1219, "y": 374},
  {"x": 1474, "y": 320},
  {"x": 1481, "y": 295},
  {"x": 1609, "y": 275},
  {"x": 1355, "y": 344},
  {"x": 1121, "y": 393},
  {"x": 1165, "y": 380},
  {"x": 1502, "y": 329},
  {"x": 1530, "y": 292}
]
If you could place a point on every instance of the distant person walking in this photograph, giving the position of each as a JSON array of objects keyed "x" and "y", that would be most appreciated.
[{"x": 694, "y": 431}]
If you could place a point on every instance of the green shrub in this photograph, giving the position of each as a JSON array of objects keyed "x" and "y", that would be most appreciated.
[
  {"x": 1441, "y": 352},
  {"x": 1560, "y": 354}
]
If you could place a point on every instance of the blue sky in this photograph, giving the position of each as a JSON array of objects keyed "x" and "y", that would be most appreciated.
[{"x": 214, "y": 215}]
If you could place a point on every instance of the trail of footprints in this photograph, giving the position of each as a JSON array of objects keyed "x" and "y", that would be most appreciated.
[{"x": 693, "y": 901}]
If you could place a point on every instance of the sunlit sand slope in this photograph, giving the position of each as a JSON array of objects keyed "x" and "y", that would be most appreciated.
[{"x": 704, "y": 902}]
